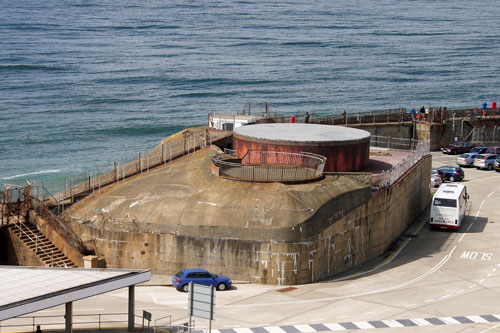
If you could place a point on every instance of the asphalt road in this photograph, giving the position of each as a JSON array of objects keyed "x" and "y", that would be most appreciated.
[{"x": 439, "y": 281}]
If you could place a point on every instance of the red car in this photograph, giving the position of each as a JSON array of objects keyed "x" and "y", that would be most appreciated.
[{"x": 458, "y": 147}]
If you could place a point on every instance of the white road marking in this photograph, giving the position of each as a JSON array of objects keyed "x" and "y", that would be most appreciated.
[
  {"x": 412, "y": 304},
  {"x": 421, "y": 322},
  {"x": 472, "y": 286},
  {"x": 489, "y": 195},
  {"x": 494, "y": 269},
  {"x": 482, "y": 280},
  {"x": 370, "y": 312},
  {"x": 460, "y": 291},
  {"x": 477, "y": 214},
  {"x": 392, "y": 323},
  {"x": 491, "y": 328},
  {"x": 469, "y": 227},
  {"x": 394, "y": 287},
  {"x": 449, "y": 320},
  {"x": 363, "y": 324},
  {"x": 274, "y": 329},
  {"x": 243, "y": 330},
  {"x": 488, "y": 275},
  {"x": 303, "y": 328},
  {"x": 335, "y": 327},
  {"x": 482, "y": 203},
  {"x": 462, "y": 237},
  {"x": 429, "y": 300},
  {"x": 445, "y": 296},
  {"x": 477, "y": 319}
]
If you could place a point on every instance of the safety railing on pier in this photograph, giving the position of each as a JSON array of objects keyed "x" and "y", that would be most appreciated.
[
  {"x": 186, "y": 143},
  {"x": 270, "y": 166},
  {"x": 431, "y": 115}
]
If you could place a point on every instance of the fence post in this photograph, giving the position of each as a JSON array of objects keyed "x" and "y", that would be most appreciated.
[
  {"x": 140, "y": 163},
  {"x": 162, "y": 157}
]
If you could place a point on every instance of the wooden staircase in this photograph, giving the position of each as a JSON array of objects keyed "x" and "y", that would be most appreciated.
[{"x": 47, "y": 252}]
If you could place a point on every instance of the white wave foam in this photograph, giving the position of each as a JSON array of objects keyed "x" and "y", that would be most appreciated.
[{"x": 41, "y": 172}]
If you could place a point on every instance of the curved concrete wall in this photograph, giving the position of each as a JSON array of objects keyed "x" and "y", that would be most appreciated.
[{"x": 336, "y": 239}]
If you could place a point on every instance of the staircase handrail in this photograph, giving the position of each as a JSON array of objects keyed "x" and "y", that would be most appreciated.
[
  {"x": 19, "y": 225},
  {"x": 59, "y": 225}
]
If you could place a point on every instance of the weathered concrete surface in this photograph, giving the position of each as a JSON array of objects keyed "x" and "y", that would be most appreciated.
[
  {"x": 18, "y": 253},
  {"x": 56, "y": 238},
  {"x": 181, "y": 215}
]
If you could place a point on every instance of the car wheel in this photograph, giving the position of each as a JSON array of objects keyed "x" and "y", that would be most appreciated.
[
  {"x": 185, "y": 288},
  {"x": 490, "y": 167},
  {"x": 452, "y": 179},
  {"x": 478, "y": 168},
  {"x": 221, "y": 286},
  {"x": 497, "y": 170}
]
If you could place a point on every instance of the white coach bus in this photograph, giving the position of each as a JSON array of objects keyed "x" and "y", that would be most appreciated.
[{"x": 448, "y": 206}]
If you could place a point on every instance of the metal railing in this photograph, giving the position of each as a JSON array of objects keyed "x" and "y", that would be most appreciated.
[
  {"x": 60, "y": 225},
  {"x": 80, "y": 321},
  {"x": 24, "y": 230},
  {"x": 433, "y": 114},
  {"x": 418, "y": 150},
  {"x": 185, "y": 143},
  {"x": 270, "y": 166}
]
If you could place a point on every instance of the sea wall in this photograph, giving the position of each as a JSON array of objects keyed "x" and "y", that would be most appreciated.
[{"x": 341, "y": 236}]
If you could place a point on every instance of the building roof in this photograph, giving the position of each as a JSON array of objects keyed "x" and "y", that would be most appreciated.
[
  {"x": 29, "y": 289},
  {"x": 299, "y": 132},
  {"x": 449, "y": 191}
]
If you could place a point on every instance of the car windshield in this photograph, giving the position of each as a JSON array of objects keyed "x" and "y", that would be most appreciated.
[
  {"x": 465, "y": 155},
  {"x": 179, "y": 274}
]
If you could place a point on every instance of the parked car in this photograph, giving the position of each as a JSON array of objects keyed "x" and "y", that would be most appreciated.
[
  {"x": 496, "y": 164},
  {"x": 436, "y": 180},
  {"x": 485, "y": 161},
  {"x": 467, "y": 159},
  {"x": 458, "y": 147},
  {"x": 493, "y": 150},
  {"x": 478, "y": 150},
  {"x": 452, "y": 173},
  {"x": 181, "y": 279}
]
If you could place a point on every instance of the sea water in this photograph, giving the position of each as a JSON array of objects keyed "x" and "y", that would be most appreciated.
[{"x": 86, "y": 83}]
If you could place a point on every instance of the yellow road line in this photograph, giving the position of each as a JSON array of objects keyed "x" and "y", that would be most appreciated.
[{"x": 476, "y": 180}]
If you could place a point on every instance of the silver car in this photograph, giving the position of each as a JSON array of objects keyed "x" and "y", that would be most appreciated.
[
  {"x": 467, "y": 159},
  {"x": 485, "y": 161},
  {"x": 436, "y": 180}
]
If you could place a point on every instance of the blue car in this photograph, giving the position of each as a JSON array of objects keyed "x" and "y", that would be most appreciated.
[
  {"x": 181, "y": 279},
  {"x": 451, "y": 173}
]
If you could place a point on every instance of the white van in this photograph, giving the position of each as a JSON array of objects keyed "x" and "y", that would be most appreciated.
[{"x": 448, "y": 206}]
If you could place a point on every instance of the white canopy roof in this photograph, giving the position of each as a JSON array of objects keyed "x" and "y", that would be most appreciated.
[{"x": 29, "y": 289}]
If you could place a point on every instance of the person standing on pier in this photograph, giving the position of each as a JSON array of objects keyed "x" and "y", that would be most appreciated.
[
  {"x": 344, "y": 117},
  {"x": 306, "y": 120},
  {"x": 413, "y": 114}
]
